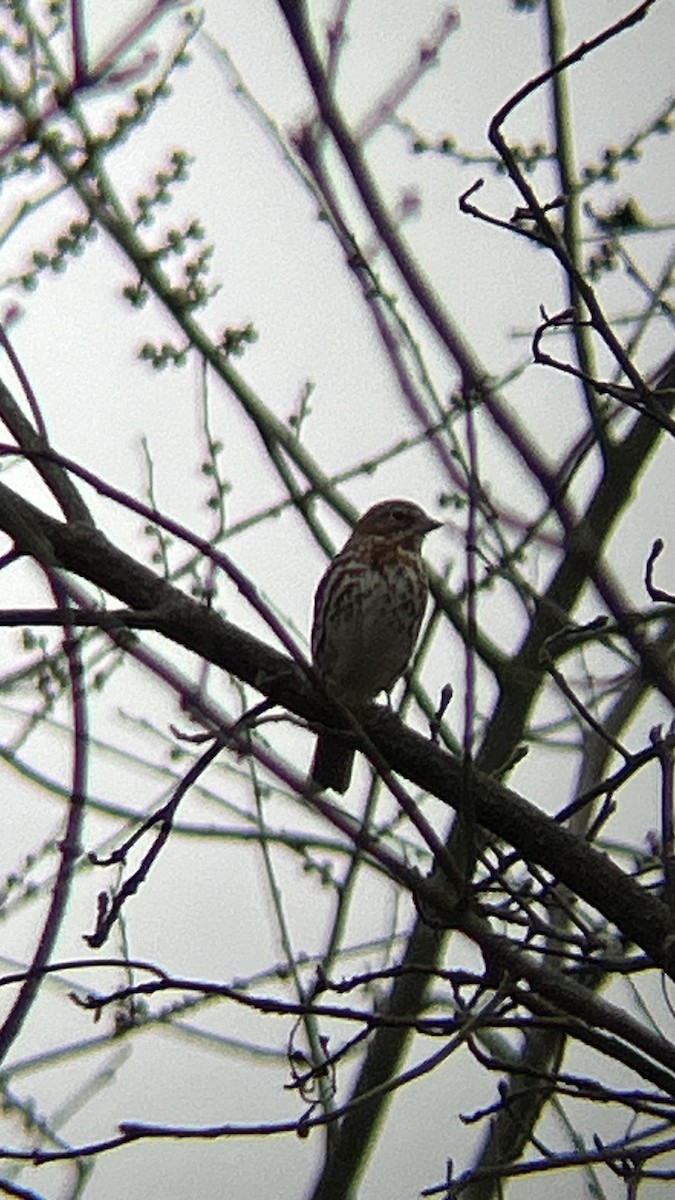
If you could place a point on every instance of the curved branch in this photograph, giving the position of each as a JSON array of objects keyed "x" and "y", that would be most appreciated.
[
  {"x": 591, "y": 875},
  {"x": 69, "y": 845}
]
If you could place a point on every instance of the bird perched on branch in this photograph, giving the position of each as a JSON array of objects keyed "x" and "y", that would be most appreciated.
[{"x": 367, "y": 615}]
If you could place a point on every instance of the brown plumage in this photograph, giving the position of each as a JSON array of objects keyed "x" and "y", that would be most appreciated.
[{"x": 367, "y": 615}]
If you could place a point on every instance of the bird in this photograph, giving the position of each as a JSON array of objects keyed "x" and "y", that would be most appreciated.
[{"x": 368, "y": 610}]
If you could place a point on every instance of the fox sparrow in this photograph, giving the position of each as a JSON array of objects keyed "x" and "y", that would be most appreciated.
[{"x": 367, "y": 614}]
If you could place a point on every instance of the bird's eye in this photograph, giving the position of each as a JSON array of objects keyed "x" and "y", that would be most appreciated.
[{"x": 398, "y": 514}]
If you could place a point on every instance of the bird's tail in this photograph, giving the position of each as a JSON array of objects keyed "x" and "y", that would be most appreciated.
[{"x": 333, "y": 762}]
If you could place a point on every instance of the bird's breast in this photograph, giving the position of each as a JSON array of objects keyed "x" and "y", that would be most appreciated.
[{"x": 373, "y": 612}]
